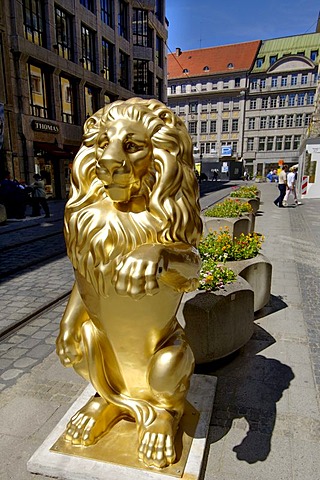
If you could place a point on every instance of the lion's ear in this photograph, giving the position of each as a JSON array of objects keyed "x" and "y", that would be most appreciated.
[
  {"x": 167, "y": 117},
  {"x": 91, "y": 128}
]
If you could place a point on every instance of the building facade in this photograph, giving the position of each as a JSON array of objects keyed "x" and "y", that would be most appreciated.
[
  {"x": 256, "y": 111},
  {"x": 207, "y": 88},
  {"x": 63, "y": 60}
]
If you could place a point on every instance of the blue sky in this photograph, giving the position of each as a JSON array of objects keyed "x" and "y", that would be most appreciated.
[{"x": 206, "y": 23}]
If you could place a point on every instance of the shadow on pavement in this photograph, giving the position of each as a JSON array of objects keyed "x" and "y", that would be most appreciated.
[
  {"x": 274, "y": 305},
  {"x": 249, "y": 387}
]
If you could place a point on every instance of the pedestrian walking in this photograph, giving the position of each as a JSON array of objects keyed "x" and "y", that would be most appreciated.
[
  {"x": 291, "y": 187},
  {"x": 39, "y": 197},
  {"x": 282, "y": 186}
]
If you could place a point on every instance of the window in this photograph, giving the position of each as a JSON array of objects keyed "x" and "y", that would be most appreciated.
[
  {"x": 296, "y": 142},
  {"x": 213, "y": 126},
  {"x": 274, "y": 81},
  {"x": 225, "y": 125},
  {"x": 235, "y": 125},
  {"x": 250, "y": 141},
  {"x": 294, "y": 79},
  {"x": 310, "y": 98},
  {"x": 214, "y": 86},
  {"x": 88, "y": 50},
  {"x": 264, "y": 102},
  {"x": 107, "y": 12},
  {"x": 226, "y": 104},
  {"x": 263, "y": 83},
  {"x": 204, "y": 107},
  {"x": 273, "y": 102},
  {"x": 33, "y": 19},
  {"x": 292, "y": 100},
  {"x": 299, "y": 120},
  {"x": 193, "y": 87},
  {"x": 273, "y": 59},
  {"x": 38, "y": 91},
  {"x": 253, "y": 104},
  {"x": 314, "y": 54},
  {"x": 272, "y": 121},
  {"x": 279, "y": 143},
  {"x": 159, "y": 10},
  {"x": 251, "y": 123},
  {"x": 307, "y": 119},
  {"x": 284, "y": 81},
  {"x": 67, "y": 100},
  {"x": 234, "y": 147},
  {"x": 262, "y": 144},
  {"x": 89, "y": 4},
  {"x": 123, "y": 19},
  {"x": 237, "y": 82},
  {"x": 259, "y": 62},
  {"x": 192, "y": 127},
  {"x": 185, "y": 70},
  {"x": 301, "y": 98},
  {"x": 64, "y": 34},
  {"x": 289, "y": 121},
  {"x": 140, "y": 27},
  {"x": 287, "y": 142},
  {"x": 193, "y": 107},
  {"x": 235, "y": 104},
  {"x": 280, "y": 123},
  {"x": 282, "y": 101},
  {"x": 173, "y": 89},
  {"x": 159, "y": 52},
  {"x": 263, "y": 122},
  {"x": 124, "y": 70},
  {"x": 183, "y": 88},
  {"x": 254, "y": 84},
  {"x": 304, "y": 79},
  {"x": 270, "y": 143},
  {"x": 203, "y": 127},
  {"x": 206, "y": 68},
  {"x": 225, "y": 83},
  {"x": 107, "y": 60},
  {"x": 90, "y": 97}
]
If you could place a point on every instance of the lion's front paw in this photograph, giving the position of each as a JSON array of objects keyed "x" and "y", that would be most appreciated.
[
  {"x": 157, "y": 450},
  {"x": 68, "y": 349}
]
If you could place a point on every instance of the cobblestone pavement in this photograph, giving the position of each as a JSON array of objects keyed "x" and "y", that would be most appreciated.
[{"x": 265, "y": 423}]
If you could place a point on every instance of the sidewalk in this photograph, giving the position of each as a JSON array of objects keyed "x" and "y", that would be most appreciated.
[{"x": 265, "y": 422}]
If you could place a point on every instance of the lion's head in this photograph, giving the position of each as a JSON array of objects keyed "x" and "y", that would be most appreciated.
[{"x": 133, "y": 182}]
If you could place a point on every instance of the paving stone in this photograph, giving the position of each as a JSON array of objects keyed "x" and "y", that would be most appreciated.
[
  {"x": 10, "y": 374},
  {"x": 24, "y": 362}
]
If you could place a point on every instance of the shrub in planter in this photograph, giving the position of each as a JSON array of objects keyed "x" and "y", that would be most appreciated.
[
  {"x": 229, "y": 208},
  {"x": 242, "y": 255},
  {"x": 247, "y": 194}
]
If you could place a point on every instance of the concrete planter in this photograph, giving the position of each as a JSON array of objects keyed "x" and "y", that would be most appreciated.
[
  {"x": 257, "y": 272},
  {"x": 3, "y": 214},
  {"x": 252, "y": 219},
  {"x": 254, "y": 202},
  {"x": 217, "y": 323},
  {"x": 236, "y": 225}
]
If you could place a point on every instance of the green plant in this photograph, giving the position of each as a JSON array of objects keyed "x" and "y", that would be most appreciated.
[
  {"x": 229, "y": 208},
  {"x": 213, "y": 276},
  {"x": 220, "y": 246},
  {"x": 244, "y": 192}
]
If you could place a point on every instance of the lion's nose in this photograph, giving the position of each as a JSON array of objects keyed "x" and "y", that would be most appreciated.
[{"x": 112, "y": 158}]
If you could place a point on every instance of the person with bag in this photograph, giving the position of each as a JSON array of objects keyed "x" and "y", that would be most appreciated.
[{"x": 39, "y": 197}]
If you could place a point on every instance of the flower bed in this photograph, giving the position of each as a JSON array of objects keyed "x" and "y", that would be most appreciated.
[{"x": 229, "y": 208}]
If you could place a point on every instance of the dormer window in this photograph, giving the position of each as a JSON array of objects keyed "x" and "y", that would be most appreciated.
[
  {"x": 185, "y": 70},
  {"x": 230, "y": 65},
  {"x": 206, "y": 68}
]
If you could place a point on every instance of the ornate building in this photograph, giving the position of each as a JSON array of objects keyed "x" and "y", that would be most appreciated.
[{"x": 60, "y": 62}]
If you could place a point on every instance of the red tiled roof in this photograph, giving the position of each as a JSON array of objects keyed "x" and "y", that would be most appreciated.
[{"x": 240, "y": 55}]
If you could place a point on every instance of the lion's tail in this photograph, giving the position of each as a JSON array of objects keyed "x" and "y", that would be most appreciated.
[{"x": 141, "y": 410}]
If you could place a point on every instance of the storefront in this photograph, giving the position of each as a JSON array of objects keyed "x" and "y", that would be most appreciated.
[{"x": 54, "y": 165}]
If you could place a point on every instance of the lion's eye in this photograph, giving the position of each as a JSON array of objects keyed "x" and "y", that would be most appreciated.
[{"x": 131, "y": 147}]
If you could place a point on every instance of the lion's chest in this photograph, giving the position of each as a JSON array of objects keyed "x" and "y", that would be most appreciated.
[{"x": 135, "y": 328}]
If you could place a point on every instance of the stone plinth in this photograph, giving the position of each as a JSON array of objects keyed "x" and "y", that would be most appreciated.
[{"x": 69, "y": 467}]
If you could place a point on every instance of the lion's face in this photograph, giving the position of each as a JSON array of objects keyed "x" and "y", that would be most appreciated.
[{"x": 123, "y": 158}]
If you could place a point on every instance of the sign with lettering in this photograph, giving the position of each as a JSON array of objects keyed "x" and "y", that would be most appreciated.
[{"x": 47, "y": 127}]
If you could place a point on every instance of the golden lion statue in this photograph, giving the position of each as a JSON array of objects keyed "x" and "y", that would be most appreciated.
[{"x": 132, "y": 225}]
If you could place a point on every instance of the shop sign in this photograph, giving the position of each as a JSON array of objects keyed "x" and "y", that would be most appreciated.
[
  {"x": 226, "y": 151},
  {"x": 44, "y": 127}
]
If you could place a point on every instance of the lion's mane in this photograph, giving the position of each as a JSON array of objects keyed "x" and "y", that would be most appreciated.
[{"x": 97, "y": 234}]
